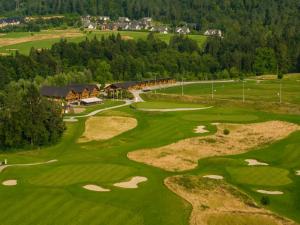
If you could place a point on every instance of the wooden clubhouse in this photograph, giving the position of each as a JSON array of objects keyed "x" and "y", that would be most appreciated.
[
  {"x": 138, "y": 85},
  {"x": 71, "y": 93}
]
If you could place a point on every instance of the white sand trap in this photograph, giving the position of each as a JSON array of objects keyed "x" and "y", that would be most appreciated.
[
  {"x": 200, "y": 130},
  {"x": 214, "y": 177},
  {"x": 133, "y": 183},
  {"x": 298, "y": 172},
  {"x": 270, "y": 192},
  {"x": 215, "y": 124},
  {"x": 92, "y": 187},
  {"x": 10, "y": 183},
  {"x": 254, "y": 162}
]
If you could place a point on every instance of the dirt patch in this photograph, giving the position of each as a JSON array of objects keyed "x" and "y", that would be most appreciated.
[
  {"x": 184, "y": 154},
  {"x": 200, "y": 130},
  {"x": 216, "y": 202},
  {"x": 133, "y": 183},
  {"x": 270, "y": 192},
  {"x": 92, "y": 187},
  {"x": 104, "y": 128},
  {"x": 214, "y": 177},
  {"x": 37, "y": 37},
  {"x": 10, "y": 183},
  {"x": 78, "y": 110},
  {"x": 254, "y": 162},
  {"x": 126, "y": 38}
]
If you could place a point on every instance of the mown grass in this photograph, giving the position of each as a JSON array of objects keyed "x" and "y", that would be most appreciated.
[
  {"x": 53, "y": 193},
  {"x": 25, "y": 47},
  {"x": 165, "y": 105}
]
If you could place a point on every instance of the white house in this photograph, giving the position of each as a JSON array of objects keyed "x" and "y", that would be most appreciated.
[
  {"x": 213, "y": 32},
  {"x": 183, "y": 30}
]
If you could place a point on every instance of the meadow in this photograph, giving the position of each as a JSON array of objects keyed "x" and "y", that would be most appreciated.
[
  {"x": 75, "y": 35},
  {"x": 53, "y": 194}
]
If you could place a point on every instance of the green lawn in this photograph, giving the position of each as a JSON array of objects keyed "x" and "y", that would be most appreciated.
[
  {"x": 254, "y": 90},
  {"x": 25, "y": 47},
  {"x": 165, "y": 105},
  {"x": 53, "y": 193}
]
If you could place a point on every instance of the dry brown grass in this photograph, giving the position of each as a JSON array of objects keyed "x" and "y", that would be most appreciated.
[
  {"x": 184, "y": 154},
  {"x": 37, "y": 37},
  {"x": 215, "y": 202},
  {"x": 78, "y": 110},
  {"x": 103, "y": 128}
]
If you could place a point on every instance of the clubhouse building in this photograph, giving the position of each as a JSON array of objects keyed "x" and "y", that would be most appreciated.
[{"x": 73, "y": 94}]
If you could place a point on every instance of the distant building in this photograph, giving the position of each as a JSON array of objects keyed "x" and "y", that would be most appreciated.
[
  {"x": 104, "y": 18},
  {"x": 213, "y": 32},
  {"x": 160, "y": 29},
  {"x": 123, "y": 19},
  {"x": 183, "y": 30},
  {"x": 9, "y": 22}
]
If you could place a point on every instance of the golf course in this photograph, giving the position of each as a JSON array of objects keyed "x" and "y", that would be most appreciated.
[{"x": 221, "y": 164}]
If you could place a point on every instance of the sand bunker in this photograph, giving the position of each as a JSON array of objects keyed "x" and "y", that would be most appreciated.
[
  {"x": 216, "y": 202},
  {"x": 103, "y": 128},
  {"x": 215, "y": 124},
  {"x": 133, "y": 183},
  {"x": 10, "y": 183},
  {"x": 200, "y": 130},
  {"x": 254, "y": 162},
  {"x": 184, "y": 154},
  {"x": 298, "y": 172},
  {"x": 92, "y": 187},
  {"x": 214, "y": 177},
  {"x": 270, "y": 192}
]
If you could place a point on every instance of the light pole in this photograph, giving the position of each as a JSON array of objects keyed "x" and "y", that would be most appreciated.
[
  {"x": 243, "y": 91},
  {"x": 212, "y": 89},
  {"x": 182, "y": 86}
]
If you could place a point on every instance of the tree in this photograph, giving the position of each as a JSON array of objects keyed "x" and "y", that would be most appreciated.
[{"x": 265, "y": 61}]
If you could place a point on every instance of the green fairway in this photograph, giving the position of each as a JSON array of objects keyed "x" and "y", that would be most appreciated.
[
  {"x": 165, "y": 105},
  {"x": 260, "y": 176},
  {"x": 25, "y": 46},
  {"x": 53, "y": 193}
]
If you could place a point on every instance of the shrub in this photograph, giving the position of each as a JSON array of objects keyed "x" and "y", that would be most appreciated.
[
  {"x": 226, "y": 132},
  {"x": 265, "y": 200}
]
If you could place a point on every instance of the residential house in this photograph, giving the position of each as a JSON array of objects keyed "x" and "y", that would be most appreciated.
[
  {"x": 183, "y": 30},
  {"x": 9, "y": 22},
  {"x": 160, "y": 29},
  {"x": 104, "y": 18},
  {"x": 213, "y": 32},
  {"x": 123, "y": 19}
]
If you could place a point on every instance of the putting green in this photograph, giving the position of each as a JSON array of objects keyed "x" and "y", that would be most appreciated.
[{"x": 260, "y": 176}]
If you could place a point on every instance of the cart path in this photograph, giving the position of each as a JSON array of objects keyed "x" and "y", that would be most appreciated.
[{"x": 28, "y": 164}]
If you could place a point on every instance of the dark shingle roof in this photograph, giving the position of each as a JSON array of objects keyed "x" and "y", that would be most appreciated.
[{"x": 62, "y": 92}]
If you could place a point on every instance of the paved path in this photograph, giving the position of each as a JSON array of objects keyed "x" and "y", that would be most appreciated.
[
  {"x": 28, "y": 164},
  {"x": 73, "y": 118}
]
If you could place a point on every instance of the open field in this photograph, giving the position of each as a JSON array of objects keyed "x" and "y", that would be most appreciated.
[
  {"x": 24, "y": 41},
  {"x": 55, "y": 193},
  {"x": 255, "y": 90}
]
